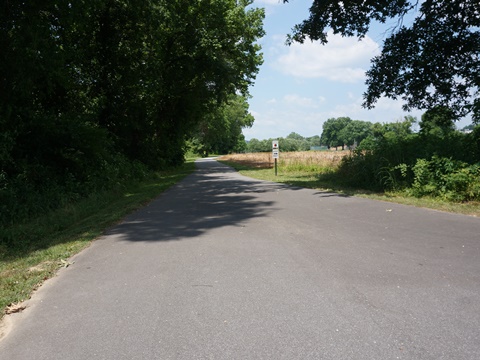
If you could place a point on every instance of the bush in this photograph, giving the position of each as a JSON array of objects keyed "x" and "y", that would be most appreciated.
[
  {"x": 22, "y": 199},
  {"x": 446, "y": 178},
  {"x": 445, "y": 167}
]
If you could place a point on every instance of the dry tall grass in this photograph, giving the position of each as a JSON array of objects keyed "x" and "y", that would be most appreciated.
[{"x": 290, "y": 161}]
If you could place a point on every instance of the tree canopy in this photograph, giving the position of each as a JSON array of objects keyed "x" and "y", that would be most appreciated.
[
  {"x": 221, "y": 130},
  {"x": 332, "y": 135},
  {"x": 355, "y": 131},
  {"x": 142, "y": 74},
  {"x": 89, "y": 86},
  {"x": 434, "y": 61}
]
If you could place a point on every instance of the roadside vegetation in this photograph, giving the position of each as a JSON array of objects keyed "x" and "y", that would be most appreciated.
[
  {"x": 434, "y": 166},
  {"x": 38, "y": 247},
  {"x": 323, "y": 170}
]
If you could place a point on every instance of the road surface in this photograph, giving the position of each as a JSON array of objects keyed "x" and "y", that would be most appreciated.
[{"x": 225, "y": 267}]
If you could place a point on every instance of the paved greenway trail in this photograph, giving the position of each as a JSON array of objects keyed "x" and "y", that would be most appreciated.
[{"x": 225, "y": 267}]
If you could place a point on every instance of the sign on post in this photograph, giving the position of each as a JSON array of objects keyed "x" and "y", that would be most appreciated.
[{"x": 275, "y": 153}]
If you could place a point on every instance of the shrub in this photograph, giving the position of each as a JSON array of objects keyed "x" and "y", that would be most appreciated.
[{"x": 446, "y": 178}]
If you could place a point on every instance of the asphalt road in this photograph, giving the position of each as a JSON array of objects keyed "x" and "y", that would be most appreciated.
[{"x": 224, "y": 267}]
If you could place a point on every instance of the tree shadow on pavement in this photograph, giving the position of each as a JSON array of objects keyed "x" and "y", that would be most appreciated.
[{"x": 213, "y": 196}]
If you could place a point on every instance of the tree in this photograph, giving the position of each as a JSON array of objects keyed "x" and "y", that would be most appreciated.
[
  {"x": 433, "y": 62},
  {"x": 296, "y": 142},
  {"x": 90, "y": 89},
  {"x": 220, "y": 131},
  {"x": 437, "y": 122},
  {"x": 205, "y": 52},
  {"x": 255, "y": 145},
  {"x": 295, "y": 136},
  {"x": 400, "y": 128},
  {"x": 468, "y": 128},
  {"x": 288, "y": 144},
  {"x": 438, "y": 135},
  {"x": 140, "y": 75},
  {"x": 355, "y": 131},
  {"x": 331, "y": 134},
  {"x": 314, "y": 140}
]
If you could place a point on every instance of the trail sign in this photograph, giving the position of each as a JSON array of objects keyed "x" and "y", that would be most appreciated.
[{"x": 275, "y": 153}]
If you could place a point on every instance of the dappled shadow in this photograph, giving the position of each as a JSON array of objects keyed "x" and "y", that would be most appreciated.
[
  {"x": 213, "y": 196},
  {"x": 329, "y": 187},
  {"x": 309, "y": 181},
  {"x": 325, "y": 194}
]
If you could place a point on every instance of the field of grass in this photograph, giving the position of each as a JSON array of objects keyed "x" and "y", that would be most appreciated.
[
  {"x": 45, "y": 244},
  {"x": 316, "y": 170},
  {"x": 308, "y": 161},
  {"x": 311, "y": 169}
]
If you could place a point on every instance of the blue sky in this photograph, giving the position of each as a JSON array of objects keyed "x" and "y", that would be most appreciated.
[{"x": 300, "y": 86}]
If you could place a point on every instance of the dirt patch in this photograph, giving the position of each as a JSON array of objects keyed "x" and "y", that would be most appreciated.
[{"x": 40, "y": 267}]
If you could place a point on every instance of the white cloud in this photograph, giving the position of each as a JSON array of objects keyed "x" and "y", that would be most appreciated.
[
  {"x": 268, "y": 2},
  {"x": 342, "y": 59},
  {"x": 279, "y": 122},
  {"x": 254, "y": 113},
  {"x": 386, "y": 110},
  {"x": 298, "y": 100},
  {"x": 270, "y": 6},
  {"x": 294, "y": 99}
]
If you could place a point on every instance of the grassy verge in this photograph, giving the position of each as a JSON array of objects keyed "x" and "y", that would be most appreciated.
[
  {"x": 45, "y": 244},
  {"x": 326, "y": 179}
]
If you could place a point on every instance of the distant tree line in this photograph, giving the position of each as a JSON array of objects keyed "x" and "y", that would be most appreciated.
[
  {"x": 336, "y": 132},
  {"x": 293, "y": 142},
  {"x": 95, "y": 92}
]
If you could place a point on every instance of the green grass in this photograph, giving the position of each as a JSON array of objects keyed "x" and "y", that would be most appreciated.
[
  {"x": 328, "y": 180},
  {"x": 43, "y": 245}
]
